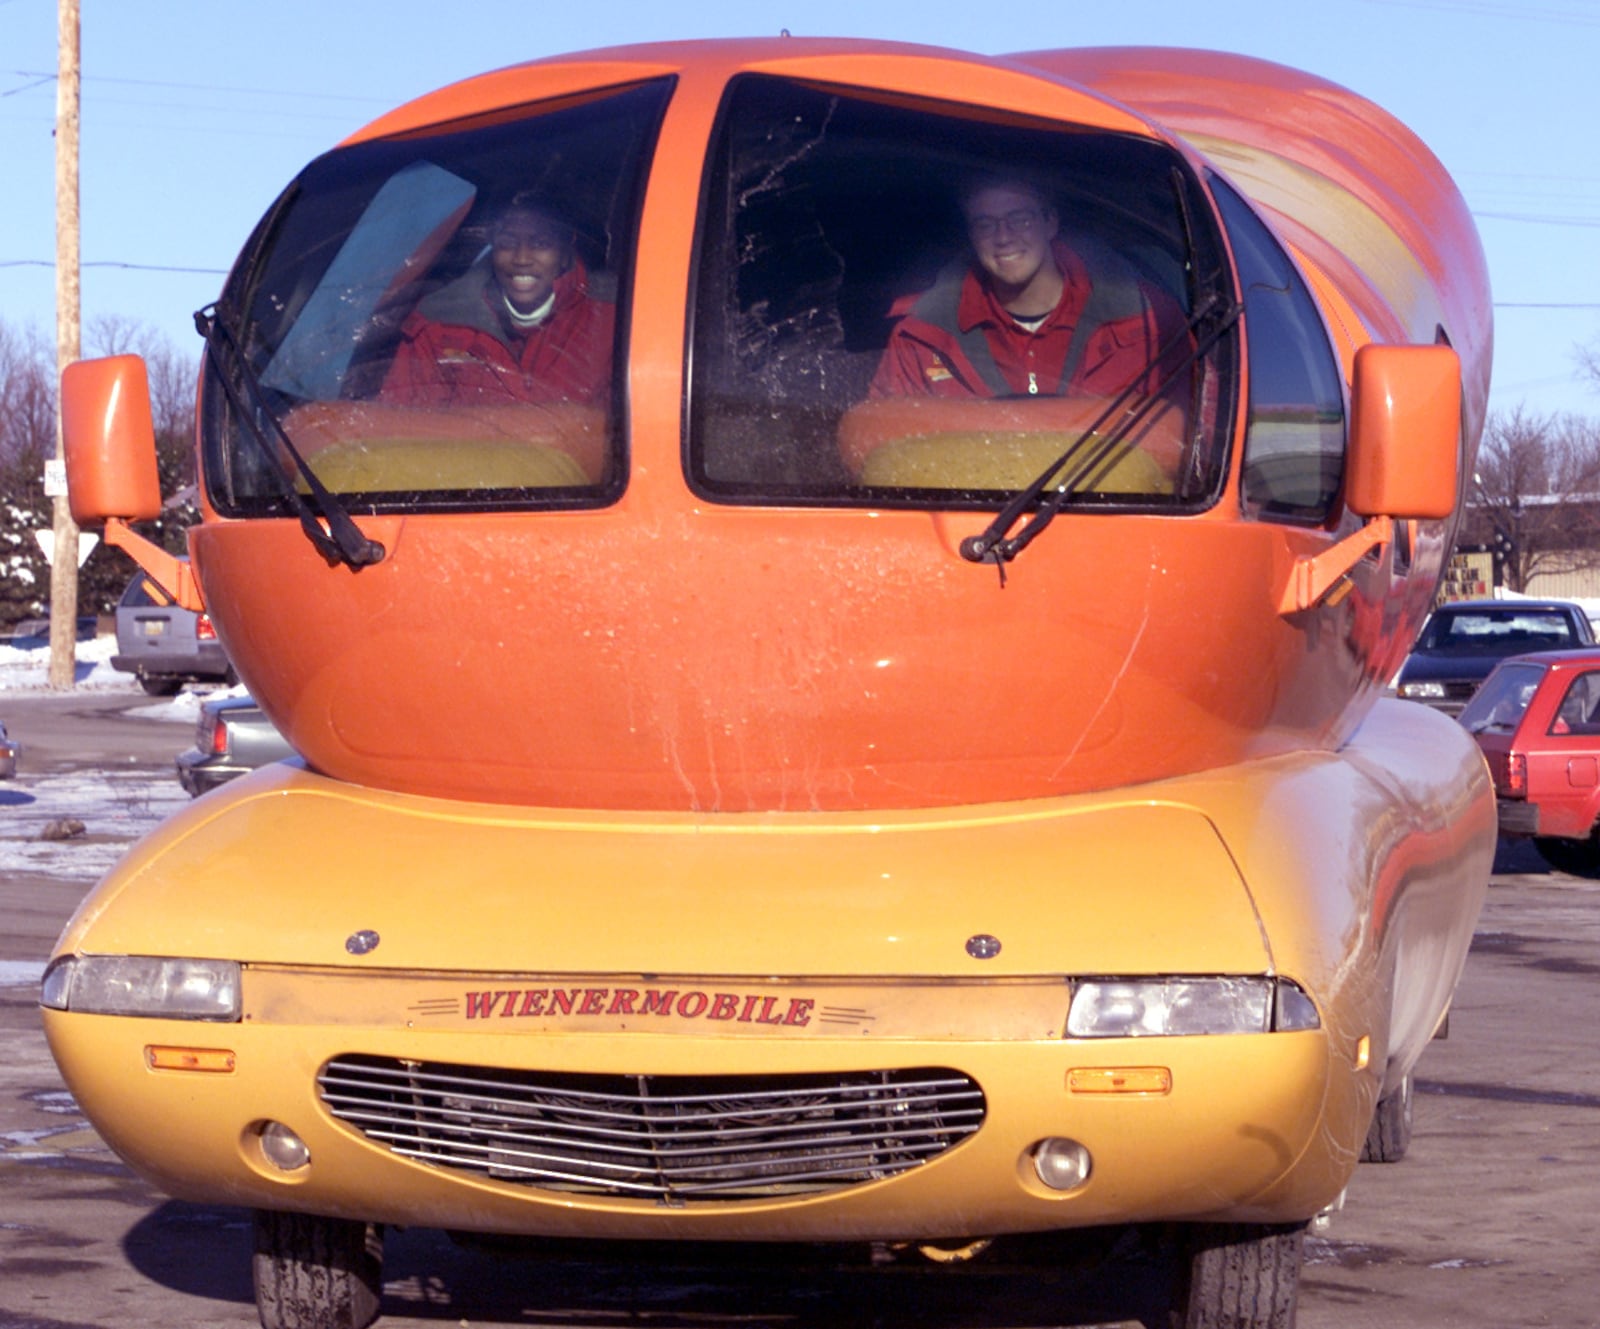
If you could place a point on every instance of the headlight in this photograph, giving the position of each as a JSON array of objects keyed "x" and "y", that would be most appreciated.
[
  {"x": 143, "y": 985},
  {"x": 1419, "y": 691},
  {"x": 1155, "y": 1007}
]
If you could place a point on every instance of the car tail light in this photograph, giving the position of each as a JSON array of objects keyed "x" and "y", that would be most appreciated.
[
  {"x": 1516, "y": 774},
  {"x": 204, "y": 629},
  {"x": 217, "y": 744}
]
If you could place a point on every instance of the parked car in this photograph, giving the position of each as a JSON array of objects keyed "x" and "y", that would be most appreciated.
[
  {"x": 232, "y": 736},
  {"x": 10, "y": 750},
  {"x": 165, "y": 645},
  {"x": 1537, "y": 720},
  {"x": 1461, "y": 642}
]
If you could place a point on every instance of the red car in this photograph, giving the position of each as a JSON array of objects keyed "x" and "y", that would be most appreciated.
[{"x": 1537, "y": 719}]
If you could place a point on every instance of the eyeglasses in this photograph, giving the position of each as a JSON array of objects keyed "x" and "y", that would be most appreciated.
[{"x": 1019, "y": 221}]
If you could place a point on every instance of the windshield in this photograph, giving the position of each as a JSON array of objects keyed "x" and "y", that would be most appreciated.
[
  {"x": 1496, "y": 631},
  {"x": 432, "y": 321},
  {"x": 1497, "y": 706},
  {"x": 914, "y": 306}
]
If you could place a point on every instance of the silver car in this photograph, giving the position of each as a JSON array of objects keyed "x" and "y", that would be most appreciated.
[
  {"x": 232, "y": 736},
  {"x": 163, "y": 644}
]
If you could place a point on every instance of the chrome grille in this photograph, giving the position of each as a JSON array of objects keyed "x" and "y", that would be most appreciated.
[{"x": 656, "y": 1136}]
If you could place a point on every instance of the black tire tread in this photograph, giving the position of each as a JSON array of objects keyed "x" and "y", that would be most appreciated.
[
  {"x": 1241, "y": 1276},
  {"x": 1389, "y": 1136},
  {"x": 316, "y": 1273}
]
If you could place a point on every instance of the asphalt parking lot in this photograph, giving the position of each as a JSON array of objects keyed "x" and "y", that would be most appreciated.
[{"x": 1489, "y": 1221}]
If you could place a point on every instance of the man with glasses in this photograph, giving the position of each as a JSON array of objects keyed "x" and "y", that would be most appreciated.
[{"x": 1028, "y": 314}]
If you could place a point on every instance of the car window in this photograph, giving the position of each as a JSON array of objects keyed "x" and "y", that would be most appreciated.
[
  {"x": 1510, "y": 631},
  {"x": 142, "y": 593},
  {"x": 1579, "y": 712},
  {"x": 835, "y": 257},
  {"x": 434, "y": 321},
  {"x": 1498, "y": 706},
  {"x": 1295, "y": 427}
]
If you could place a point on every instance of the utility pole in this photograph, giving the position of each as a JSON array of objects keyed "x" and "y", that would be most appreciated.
[{"x": 69, "y": 314}]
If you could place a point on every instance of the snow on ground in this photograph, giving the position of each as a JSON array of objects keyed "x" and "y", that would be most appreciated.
[
  {"x": 27, "y": 669},
  {"x": 115, "y": 806}
]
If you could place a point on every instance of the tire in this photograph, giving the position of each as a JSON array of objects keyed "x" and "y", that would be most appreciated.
[
  {"x": 316, "y": 1273},
  {"x": 1389, "y": 1136},
  {"x": 1580, "y": 858},
  {"x": 160, "y": 685},
  {"x": 1239, "y": 1276}
]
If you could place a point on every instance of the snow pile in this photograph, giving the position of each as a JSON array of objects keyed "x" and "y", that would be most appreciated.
[{"x": 27, "y": 668}]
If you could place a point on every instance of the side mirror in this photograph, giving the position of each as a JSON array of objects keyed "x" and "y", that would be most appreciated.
[
  {"x": 109, "y": 440},
  {"x": 1405, "y": 432}
]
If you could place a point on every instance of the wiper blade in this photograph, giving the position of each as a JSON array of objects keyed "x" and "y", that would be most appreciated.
[
  {"x": 324, "y": 519},
  {"x": 1092, "y": 451}
]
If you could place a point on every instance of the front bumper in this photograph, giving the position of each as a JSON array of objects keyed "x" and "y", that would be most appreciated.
[
  {"x": 1240, "y": 1135},
  {"x": 1517, "y": 816},
  {"x": 199, "y": 772}
]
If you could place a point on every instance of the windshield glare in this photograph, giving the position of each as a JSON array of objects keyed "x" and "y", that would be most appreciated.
[
  {"x": 892, "y": 305},
  {"x": 1496, "y": 631},
  {"x": 431, "y": 321}
]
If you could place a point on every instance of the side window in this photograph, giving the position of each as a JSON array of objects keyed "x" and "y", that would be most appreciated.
[
  {"x": 1295, "y": 426},
  {"x": 1579, "y": 712},
  {"x": 432, "y": 321},
  {"x": 860, "y": 334}
]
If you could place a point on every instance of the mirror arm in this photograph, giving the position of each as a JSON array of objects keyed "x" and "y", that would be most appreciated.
[
  {"x": 173, "y": 574},
  {"x": 1323, "y": 575}
]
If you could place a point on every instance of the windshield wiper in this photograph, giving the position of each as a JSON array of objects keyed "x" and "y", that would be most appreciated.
[
  {"x": 324, "y": 519},
  {"x": 1092, "y": 451}
]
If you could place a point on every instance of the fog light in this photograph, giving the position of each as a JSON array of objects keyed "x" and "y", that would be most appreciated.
[
  {"x": 283, "y": 1148},
  {"x": 1063, "y": 1165}
]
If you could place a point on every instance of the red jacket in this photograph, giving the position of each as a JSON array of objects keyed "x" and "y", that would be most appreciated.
[
  {"x": 457, "y": 348},
  {"x": 956, "y": 340}
]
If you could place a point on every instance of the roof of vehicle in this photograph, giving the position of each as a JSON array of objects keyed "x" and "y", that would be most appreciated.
[{"x": 1576, "y": 657}]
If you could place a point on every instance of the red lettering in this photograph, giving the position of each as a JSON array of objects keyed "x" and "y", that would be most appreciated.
[
  {"x": 724, "y": 1006},
  {"x": 533, "y": 1001},
  {"x": 510, "y": 1007},
  {"x": 594, "y": 1001},
  {"x": 657, "y": 1002},
  {"x": 799, "y": 1011},
  {"x": 561, "y": 1001},
  {"x": 766, "y": 1016},
  {"x": 480, "y": 1005},
  {"x": 749, "y": 1008},
  {"x": 693, "y": 1005},
  {"x": 622, "y": 1001}
]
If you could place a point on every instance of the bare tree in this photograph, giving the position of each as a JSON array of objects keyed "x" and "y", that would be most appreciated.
[
  {"x": 1536, "y": 496},
  {"x": 1588, "y": 358},
  {"x": 27, "y": 439},
  {"x": 28, "y": 399}
]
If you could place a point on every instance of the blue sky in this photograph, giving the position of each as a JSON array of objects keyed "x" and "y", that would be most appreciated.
[{"x": 197, "y": 112}]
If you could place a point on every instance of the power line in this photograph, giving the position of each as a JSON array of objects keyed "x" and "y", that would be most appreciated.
[
  {"x": 42, "y": 77},
  {"x": 112, "y": 263}
]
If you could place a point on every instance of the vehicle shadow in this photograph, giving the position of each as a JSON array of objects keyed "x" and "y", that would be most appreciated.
[
  {"x": 1519, "y": 858},
  {"x": 204, "y": 1251}
]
